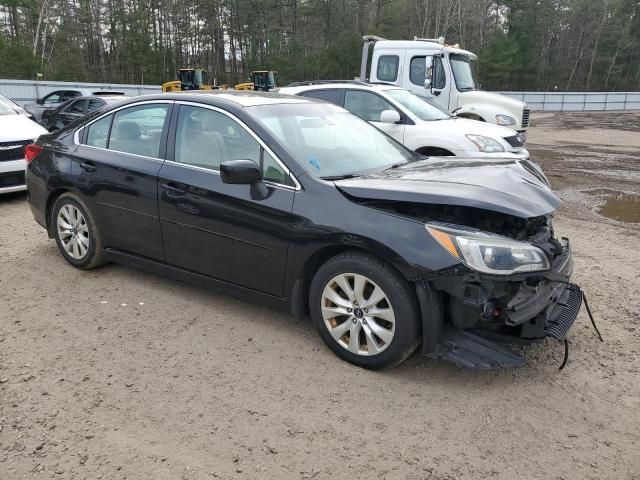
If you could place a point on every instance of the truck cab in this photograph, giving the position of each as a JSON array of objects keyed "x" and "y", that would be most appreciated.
[{"x": 444, "y": 74}]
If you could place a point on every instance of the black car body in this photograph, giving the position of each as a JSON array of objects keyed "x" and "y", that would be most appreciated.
[
  {"x": 270, "y": 235},
  {"x": 56, "y": 118}
]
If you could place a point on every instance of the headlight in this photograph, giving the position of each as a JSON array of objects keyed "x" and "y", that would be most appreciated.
[
  {"x": 505, "y": 119},
  {"x": 488, "y": 252},
  {"x": 486, "y": 144}
]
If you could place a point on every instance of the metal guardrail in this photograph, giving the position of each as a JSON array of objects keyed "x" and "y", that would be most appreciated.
[
  {"x": 578, "y": 101},
  {"x": 27, "y": 91}
]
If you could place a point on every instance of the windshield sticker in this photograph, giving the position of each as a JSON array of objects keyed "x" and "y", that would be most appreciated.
[{"x": 314, "y": 162}]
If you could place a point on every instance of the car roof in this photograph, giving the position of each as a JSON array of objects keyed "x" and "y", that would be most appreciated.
[
  {"x": 239, "y": 98},
  {"x": 376, "y": 87}
]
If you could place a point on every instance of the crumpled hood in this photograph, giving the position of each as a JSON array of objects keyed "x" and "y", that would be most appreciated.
[
  {"x": 15, "y": 128},
  {"x": 504, "y": 185}
]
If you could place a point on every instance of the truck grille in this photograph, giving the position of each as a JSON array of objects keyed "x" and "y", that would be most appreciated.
[
  {"x": 11, "y": 179},
  {"x": 525, "y": 117},
  {"x": 12, "y": 150}
]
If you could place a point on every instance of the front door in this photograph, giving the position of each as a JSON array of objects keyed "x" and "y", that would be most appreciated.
[
  {"x": 217, "y": 229},
  {"x": 369, "y": 106},
  {"x": 75, "y": 110}
]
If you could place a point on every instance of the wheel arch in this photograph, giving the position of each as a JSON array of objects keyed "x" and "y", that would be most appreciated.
[
  {"x": 51, "y": 200},
  {"x": 300, "y": 290}
]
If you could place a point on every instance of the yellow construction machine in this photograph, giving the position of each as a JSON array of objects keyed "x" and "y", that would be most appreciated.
[
  {"x": 260, "y": 81},
  {"x": 190, "y": 79}
]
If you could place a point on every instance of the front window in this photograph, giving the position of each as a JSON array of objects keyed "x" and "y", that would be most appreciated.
[
  {"x": 368, "y": 106},
  {"x": 464, "y": 72},
  {"x": 420, "y": 107},
  {"x": 329, "y": 142}
]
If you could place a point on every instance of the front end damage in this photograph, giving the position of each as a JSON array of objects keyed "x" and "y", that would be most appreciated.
[{"x": 468, "y": 314}]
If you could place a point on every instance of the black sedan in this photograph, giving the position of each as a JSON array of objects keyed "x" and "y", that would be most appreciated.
[
  {"x": 55, "y": 118},
  {"x": 301, "y": 205}
]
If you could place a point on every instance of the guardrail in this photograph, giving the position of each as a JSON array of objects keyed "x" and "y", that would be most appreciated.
[
  {"x": 578, "y": 101},
  {"x": 27, "y": 91}
]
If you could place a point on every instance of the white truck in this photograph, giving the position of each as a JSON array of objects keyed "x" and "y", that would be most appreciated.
[{"x": 444, "y": 74}]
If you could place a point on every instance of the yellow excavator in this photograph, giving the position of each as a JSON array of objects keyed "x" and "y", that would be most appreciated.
[
  {"x": 260, "y": 81},
  {"x": 190, "y": 79}
]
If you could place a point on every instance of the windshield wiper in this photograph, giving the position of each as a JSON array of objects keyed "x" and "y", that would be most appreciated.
[
  {"x": 340, "y": 177},
  {"x": 395, "y": 165}
]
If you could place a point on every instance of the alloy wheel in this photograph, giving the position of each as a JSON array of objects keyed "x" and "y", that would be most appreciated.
[
  {"x": 358, "y": 314},
  {"x": 73, "y": 231}
]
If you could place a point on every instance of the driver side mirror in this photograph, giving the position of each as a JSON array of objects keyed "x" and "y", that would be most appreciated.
[
  {"x": 428, "y": 72},
  {"x": 244, "y": 172},
  {"x": 389, "y": 116},
  {"x": 40, "y": 101}
]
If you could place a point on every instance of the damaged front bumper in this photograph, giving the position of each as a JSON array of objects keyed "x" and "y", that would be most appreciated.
[{"x": 465, "y": 312}]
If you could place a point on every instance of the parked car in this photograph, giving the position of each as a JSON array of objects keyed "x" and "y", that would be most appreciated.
[
  {"x": 16, "y": 131},
  {"x": 54, "y": 99},
  {"x": 71, "y": 110},
  {"x": 416, "y": 122},
  {"x": 302, "y": 205},
  {"x": 14, "y": 106}
]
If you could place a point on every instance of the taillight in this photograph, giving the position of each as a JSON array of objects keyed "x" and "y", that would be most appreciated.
[{"x": 31, "y": 151}]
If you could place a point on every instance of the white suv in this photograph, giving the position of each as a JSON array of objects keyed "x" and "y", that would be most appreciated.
[{"x": 416, "y": 122}]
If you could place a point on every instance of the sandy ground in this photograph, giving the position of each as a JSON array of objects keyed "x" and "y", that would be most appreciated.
[{"x": 119, "y": 374}]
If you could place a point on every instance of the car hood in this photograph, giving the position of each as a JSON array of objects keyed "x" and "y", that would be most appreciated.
[
  {"x": 504, "y": 185},
  {"x": 18, "y": 128}
]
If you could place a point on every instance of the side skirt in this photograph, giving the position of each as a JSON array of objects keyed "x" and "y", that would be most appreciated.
[{"x": 198, "y": 279}]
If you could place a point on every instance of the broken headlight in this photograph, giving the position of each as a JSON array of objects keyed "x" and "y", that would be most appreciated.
[{"x": 489, "y": 252}]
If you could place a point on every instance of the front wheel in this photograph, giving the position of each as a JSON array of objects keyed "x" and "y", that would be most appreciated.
[{"x": 364, "y": 311}]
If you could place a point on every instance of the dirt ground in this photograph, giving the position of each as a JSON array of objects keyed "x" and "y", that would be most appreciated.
[{"x": 114, "y": 373}]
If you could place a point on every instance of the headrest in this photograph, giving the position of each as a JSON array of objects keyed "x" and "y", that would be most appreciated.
[{"x": 126, "y": 130}]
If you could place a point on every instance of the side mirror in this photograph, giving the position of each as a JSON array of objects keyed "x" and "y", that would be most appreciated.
[
  {"x": 244, "y": 172},
  {"x": 240, "y": 172},
  {"x": 389, "y": 116},
  {"x": 428, "y": 72},
  {"x": 40, "y": 101}
]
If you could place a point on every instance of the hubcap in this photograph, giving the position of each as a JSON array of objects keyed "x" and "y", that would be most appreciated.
[
  {"x": 358, "y": 314},
  {"x": 73, "y": 231}
]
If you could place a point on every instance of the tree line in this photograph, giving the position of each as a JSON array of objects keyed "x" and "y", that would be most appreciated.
[{"x": 522, "y": 44}]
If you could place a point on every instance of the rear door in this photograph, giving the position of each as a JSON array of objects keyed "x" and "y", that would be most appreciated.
[
  {"x": 116, "y": 169},
  {"x": 369, "y": 106},
  {"x": 75, "y": 110},
  {"x": 217, "y": 229}
]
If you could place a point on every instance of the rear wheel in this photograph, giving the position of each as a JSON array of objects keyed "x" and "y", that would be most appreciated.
[
  {"x": 75, "y": 232},
  {"x": 364, "y": 310}
]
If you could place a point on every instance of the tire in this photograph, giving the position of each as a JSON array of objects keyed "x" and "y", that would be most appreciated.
[
  {"x": 71, "y": 221},
  {"x": 338, "y": 310}
]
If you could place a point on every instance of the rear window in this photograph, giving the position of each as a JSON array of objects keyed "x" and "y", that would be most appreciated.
[
  {"x": 388, "y": 68},
  {"x": 332, "y": 96}
]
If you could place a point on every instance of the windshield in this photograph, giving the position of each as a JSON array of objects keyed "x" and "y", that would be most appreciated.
[
  {"x": 6, "y": 108},
  {"x": 420, "y": 107},
  {"x": 328, "y": 141},
  {"x": 463, "y": 72}
]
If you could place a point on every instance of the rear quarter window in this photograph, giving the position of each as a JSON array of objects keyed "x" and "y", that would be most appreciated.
[{"x": 388, "y": 68}]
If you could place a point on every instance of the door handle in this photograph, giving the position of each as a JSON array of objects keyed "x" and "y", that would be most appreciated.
[
  {"x": 172, "y": 190},
  {"x": 88, "y": 166}
]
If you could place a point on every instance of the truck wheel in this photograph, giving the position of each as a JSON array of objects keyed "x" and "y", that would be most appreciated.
[{"x": 364, "y": 310}]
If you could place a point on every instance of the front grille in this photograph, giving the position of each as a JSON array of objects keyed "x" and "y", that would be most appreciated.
[
  {"x": 12, "y": 150},
  {"x": 525, "y": 117},
  {"x": 11, "y": 179}
]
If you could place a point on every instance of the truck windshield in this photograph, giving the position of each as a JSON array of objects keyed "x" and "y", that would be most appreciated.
[
  {"x": 463, "y": 72},
  {"x": 419, "y": 106}
]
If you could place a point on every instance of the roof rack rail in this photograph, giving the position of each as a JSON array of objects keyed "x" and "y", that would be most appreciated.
[{"x": 323, "y": 82}]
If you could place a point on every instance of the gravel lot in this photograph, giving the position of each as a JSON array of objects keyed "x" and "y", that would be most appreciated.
[{"x": 116, "y": 374}]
